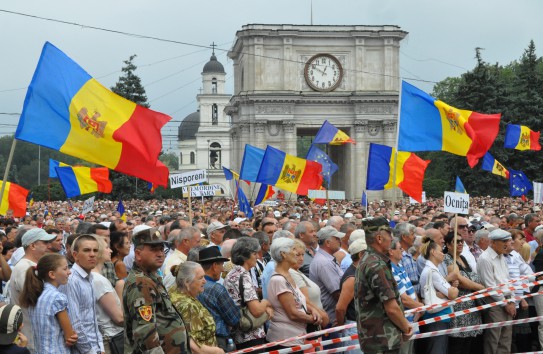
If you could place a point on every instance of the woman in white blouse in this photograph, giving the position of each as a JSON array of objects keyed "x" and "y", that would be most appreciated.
[{"x": 434, "y": 256}]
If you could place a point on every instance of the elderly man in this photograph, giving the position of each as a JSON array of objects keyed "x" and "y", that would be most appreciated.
[
  {"x": 335, "y": 221},
  {"x": 443, "y": 227},
  {"x": 482, "y": 240},
  {"x": 215, "y": 233},
  {"x": 493, "y": 270},
  {"x": 183, "y": 240},
  {"x": 382, "y": 326},
  {"x": 406, "y": 234},
  {"x": 531, "y": 221},
  {"x": 325, "y": 271},
  {"x": 306, "y": 232}
]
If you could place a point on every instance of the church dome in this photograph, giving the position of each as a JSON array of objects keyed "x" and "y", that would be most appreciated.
[
  {"x": 189, "y": 127},
  {"x": 213, "y": 66}
]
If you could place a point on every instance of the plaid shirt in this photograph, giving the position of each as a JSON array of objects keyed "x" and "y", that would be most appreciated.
[
  {"x": 224, "y": 310},
  {"x": 410, "y": 266},
  {"x": 108, "y": 271}
]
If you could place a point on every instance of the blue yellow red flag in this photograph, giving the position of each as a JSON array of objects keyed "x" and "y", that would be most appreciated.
[
  {"x": 329, "y": 134},
  {"x": 328, "y": 166},
  {"x": 490, "y": 164},
  {"x": 14, "y": 199},
  {"x": 250, "y": 165},
  {"x": 289, "y": 172},
  {"x": 459, "y": 186},
  {"x": 520, "y": 137},
  {"x": 121, "y": 210},
  {"x": 264, "y": 193},
  {"x": 78, "y": 180},
  {"x": 65, "y": 109},
  {"x": 53, "y": 164},
  {"x": 410, "y": 171},
  {"x": 427, "y": 124}
]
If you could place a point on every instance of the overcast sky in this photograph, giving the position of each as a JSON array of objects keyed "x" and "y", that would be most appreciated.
[{"x": 441, "y": 41}]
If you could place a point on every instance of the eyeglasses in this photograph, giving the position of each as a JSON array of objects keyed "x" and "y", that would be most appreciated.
[
  {"x": 465, "y": 226},
  {"x": 460, "y": 242}
]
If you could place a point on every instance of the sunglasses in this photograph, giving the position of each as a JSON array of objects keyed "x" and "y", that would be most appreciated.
[{"x": 465, "y": 226}]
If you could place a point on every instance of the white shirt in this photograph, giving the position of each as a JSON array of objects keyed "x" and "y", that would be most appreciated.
[
  {"x": 469, "y": 257},
  {"x": 493, "y": 270}
]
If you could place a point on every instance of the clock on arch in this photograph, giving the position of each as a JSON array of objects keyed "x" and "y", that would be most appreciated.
[{"x": 323, "y": 72}]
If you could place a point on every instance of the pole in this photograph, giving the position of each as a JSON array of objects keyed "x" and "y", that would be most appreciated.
[
  {"x": 6, "y": 172},
  {"x": 39, "y": 164},
  {"x": 190, "y": 204},
  {"x": 455, "y": 238},
  {"x": 328, "y": 201}
]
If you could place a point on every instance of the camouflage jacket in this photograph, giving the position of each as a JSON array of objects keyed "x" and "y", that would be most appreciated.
[
  {"x": 375, "y": 284},
  {"x": 151, "y": 323}
]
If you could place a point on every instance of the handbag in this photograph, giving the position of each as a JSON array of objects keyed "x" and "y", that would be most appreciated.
[
  {"x": 248, "y": 321},
  {"x": 430, "y": 295},
  {"x": 116, "y": 343}
]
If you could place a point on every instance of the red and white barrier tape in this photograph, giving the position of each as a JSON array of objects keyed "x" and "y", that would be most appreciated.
[
  {"x": 339, "y": 350},
  {"x": 303, "y": 336},
  {"x": 476, "y": 327},
  {"x": 473, "y": 309},
  {"x": 307, "y": 346},
  {"x": 479, "y": 294}
]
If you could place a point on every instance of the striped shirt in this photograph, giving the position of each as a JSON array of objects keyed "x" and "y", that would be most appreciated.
[
  {"x": 404, "y": 283},
  {"x": 410, "y": 266},
  {"x": 517, "y": 267},
  {"x": 83, "y": 311},
  {"x": 48, "y": 336}
]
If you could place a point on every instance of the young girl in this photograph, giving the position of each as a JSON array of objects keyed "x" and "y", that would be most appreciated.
[{"x": 47, "y": 307}]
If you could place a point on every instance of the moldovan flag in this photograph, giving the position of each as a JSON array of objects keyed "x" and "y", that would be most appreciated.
[
  {"x": 250, "y": 165},
  {"x": 329, "y": 134},
  {"x": 65, "y": 109},
  {"x": 520, "y": 137},
  {"x": 264, "y": 193},
  {"x": 14, "y": 198},
  {"x": 490, "y": 164},
  {"x": 53, "y": 164},
  {"x": 427, "y": 124},
  {"x": 77, "y": 180},
  {"x": 409, "y": 171},
  {"x": 289, "y": 172}
]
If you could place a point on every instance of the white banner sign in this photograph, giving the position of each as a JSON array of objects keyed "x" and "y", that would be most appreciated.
[
  {"x": 88, "y": 206},
  {"x": 204, "y": 193},
  {"x": 538, "y": 193},
  {"x": 456, "y": 203},
  {"x": 413, "y": 201},
  {"x": 188, "y": 178},
  {"x": 212, "y": 187},
  {"x": 321, "y": 194}
]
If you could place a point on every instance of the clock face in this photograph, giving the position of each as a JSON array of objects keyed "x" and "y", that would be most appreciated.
[{"x": 323, "y": 72}]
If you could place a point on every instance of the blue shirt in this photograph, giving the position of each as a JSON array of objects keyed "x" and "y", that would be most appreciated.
[
  {"x": 404, "y": 283},
  {"x": 269, "y": 269},
  {"x": 224, "y": 310},
  {"x": 48, "y": 336},
  {"x": 83, "y": 311}
]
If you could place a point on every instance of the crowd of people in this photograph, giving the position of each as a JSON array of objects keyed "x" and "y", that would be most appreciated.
[{"x": 165, "y": 279}]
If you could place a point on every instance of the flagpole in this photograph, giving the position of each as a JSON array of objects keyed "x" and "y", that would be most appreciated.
[
  {"x": 6, "y": 172},
  {"x": 190, "y": 204},
  {"x": 396, "y": 146}
]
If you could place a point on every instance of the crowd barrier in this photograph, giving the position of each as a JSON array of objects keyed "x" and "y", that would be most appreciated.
[{"x": 475, "y": 295}]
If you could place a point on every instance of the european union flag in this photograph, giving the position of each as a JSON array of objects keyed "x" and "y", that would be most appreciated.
[
  {"x": 243, "y": 202},
  {"x": 519, "y": 184},
  {"x": 328, "y": 166}
]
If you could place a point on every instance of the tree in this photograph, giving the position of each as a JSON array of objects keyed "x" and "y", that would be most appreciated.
[
  {"x": 129, "y": 85},
  {"x": 171, "y": 160}
]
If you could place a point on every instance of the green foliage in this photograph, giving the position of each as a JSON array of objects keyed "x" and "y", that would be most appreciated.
[
  {"x": 171, "y": 160},
  {"x": 516, "y": 91},
  {"x": 129, "y": 85},
  {"x": 434, "y": 187}
]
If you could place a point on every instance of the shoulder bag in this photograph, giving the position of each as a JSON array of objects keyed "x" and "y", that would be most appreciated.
[
  {"x": 248, "y": 321},
  {"x": 430, "y": 295}
]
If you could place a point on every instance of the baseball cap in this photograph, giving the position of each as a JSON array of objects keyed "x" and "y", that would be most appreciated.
[
  {"x": 149, "y": 236},
  {"x": 536, "y": 208},
  {"x": 329, "y": 231},
  {"x": 358, "y": 246},
  {"x": 238, "y": 220},
  {"x": 35, "y": 235},
  {"x": 214, "y": 226},
  {"x": 277, "y": 213},
  {"x": 499, "y": 235},
  {"x": 139, "y": 228},
  {"x": 348, "y": 215},
  {"x": 11, "y": 319}
]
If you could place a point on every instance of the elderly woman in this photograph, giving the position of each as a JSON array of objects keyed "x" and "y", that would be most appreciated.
[
  {"x": 244, "y": 256},
  {"x": 469, "y": 282},
  {"x": 189, "y": 277},
  {"x": 433, "y": 254},
  {"x": 292, "y": 313}
]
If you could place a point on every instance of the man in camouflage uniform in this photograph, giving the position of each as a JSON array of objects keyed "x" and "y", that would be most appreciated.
[
  {"x": 151, "y": 323},
  {"x": 382, "y": 326}
]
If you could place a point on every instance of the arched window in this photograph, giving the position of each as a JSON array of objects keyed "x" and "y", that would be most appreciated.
[
  {"x": 215, "y": 156},
  {"x": 192, "y": 158},
  {"x": 214, "y": 114},
  {"x": 180, "y": 158},
  {"x": 214, "y": 85}
]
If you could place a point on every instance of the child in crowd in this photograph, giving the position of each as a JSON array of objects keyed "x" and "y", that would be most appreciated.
[
  {"x": 12, "y": 341},
  {"x": 47, "y": 307}
]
